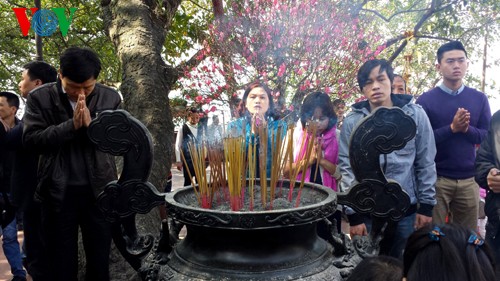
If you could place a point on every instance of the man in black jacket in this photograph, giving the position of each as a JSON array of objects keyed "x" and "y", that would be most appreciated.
[
  {"x": 71, "y": 171},
  {"x": 488, "y": 176},
  {"x": 23, "y": 182},
  {"x": 9, "y": 104}
]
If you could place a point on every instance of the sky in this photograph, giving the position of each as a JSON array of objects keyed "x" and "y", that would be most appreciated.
[{"x": 494, "y": 104}]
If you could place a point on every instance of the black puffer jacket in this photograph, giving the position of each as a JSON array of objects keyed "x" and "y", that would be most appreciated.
[
  {"x": 488, "y": 157},
  {"x": 49, "y": 130}
]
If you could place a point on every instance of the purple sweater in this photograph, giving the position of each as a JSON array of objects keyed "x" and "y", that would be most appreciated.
[{"x": 456, "y": 153}]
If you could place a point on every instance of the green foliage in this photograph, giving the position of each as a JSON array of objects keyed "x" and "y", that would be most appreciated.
[
  {"x": 188, "y": 30},
  {"x": 467, "y": 21},
  {"x": 86, "y": 30}
]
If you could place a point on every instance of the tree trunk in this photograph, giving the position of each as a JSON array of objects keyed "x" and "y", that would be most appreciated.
[{"x": 138, "y": 33}]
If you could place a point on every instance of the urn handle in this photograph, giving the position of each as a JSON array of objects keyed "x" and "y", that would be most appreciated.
[{"x": 384, "y": 131}]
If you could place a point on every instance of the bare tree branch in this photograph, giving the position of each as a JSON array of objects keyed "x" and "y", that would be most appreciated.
[{"x": 409, "y": 10}]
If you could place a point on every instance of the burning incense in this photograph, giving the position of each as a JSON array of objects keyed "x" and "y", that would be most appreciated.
[
  {"x": 234, "y": 154},
  {"x": 319, "y": 142},
  {"x": 312, "y": 126},
  {"x": 198, "y": 153},
  {"x": 191, "y": 178},
  {"x": 236, "y": 158}
]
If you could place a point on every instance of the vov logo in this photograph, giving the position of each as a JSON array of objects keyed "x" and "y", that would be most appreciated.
[{"x": 43, "y": 21}]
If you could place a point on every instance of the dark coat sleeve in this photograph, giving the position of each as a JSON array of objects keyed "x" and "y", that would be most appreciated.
[
  {"x": 40, "y": 131},
  {"x": 487, "y": 155},
  {"x": 485, "y": 161}
]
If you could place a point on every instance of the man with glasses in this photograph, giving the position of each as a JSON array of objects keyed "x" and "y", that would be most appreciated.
[{"x": 460, "y": 117}]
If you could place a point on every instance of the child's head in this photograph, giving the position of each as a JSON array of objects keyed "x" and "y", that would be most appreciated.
[
  {"x": 447, "y": 252},
  {"x": 317, "y": 107},
  {"x": 381, "y": 268}
]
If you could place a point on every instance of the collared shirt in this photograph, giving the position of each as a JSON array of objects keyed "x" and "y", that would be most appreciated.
[
  {"x": 449, "y": 91},
  {"x": 73, "y": 103}
]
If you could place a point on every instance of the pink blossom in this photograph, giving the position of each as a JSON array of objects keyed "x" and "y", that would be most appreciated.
[
  {"x": 237, "y": 67},
  {"x": 282, "y": 70},
  {"x": 213, "y": 108}
]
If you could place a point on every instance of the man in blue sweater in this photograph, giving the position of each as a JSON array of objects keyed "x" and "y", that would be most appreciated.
[{"x": 460, "y": 117}]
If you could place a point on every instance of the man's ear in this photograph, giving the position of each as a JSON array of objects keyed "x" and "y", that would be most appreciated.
[{"x": 38, "y": 82}]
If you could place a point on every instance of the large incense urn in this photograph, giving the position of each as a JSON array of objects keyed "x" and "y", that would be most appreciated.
[
  {"x": 278, "y": 243},
  {"x": 252, "y": 245}
]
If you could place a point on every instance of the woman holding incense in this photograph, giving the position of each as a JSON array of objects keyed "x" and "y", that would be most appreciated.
[
  {"x": 315, "y": 149},
  {"x": 257, "y": 117}
]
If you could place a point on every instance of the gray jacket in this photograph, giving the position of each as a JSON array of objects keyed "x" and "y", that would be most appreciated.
[{"x": 412, "y": 167}]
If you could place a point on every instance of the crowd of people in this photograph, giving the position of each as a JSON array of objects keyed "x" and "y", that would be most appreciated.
[
  {"x": 51, "y": 173},
  {"x": 438, "y": 168}
]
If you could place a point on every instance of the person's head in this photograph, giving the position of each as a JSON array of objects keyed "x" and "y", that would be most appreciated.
[
  {"x": 193, "y": 115},
  {"x": 381, "y": 268},
  {"x": 215, "y": 120},
  {"x": 36, "y": 73},
  {"x": 78, "y": 71},
  {"x": 398, "y": 84},
  {"x": 375, "y": 80},
  {"x": 447, "y": 252},
  {"x": 452, "y": 61},
  {"x": 258, "y": 99},
  {"x": 9, "y": 103},
  {"x": 317, "y": 107},
  {"x": 339, "y": 109}
]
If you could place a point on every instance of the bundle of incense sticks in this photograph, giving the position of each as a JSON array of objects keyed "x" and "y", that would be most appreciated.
[
  {"x": 234, "y": 159},
  {"x": 263, "y": 137},
  {"x": 234, "y": 154},
  {"x": 301, "y": 163},
  {"x": 252, "y": 161},
  {"x": 217, "y": 170},
  {"x": 279, "y": 152},
  {"x": 198, "y": 153}
]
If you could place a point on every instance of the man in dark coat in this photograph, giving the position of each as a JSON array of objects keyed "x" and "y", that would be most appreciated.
[
  {"x": 71, "y": 170},
  {"x": 9, "y": 104},
  {"x": 23, "y": 181},
  {"x": 488, "y": 176}
]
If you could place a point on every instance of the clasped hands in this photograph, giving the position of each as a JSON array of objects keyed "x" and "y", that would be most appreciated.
[
  {"x": 493, "y": 180},
  {"x": 81, "y": 114},
  {"x": 461, "y": 120},
  {"x": 258, "y": 121},
  {"x": 315, "y": 154}
]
